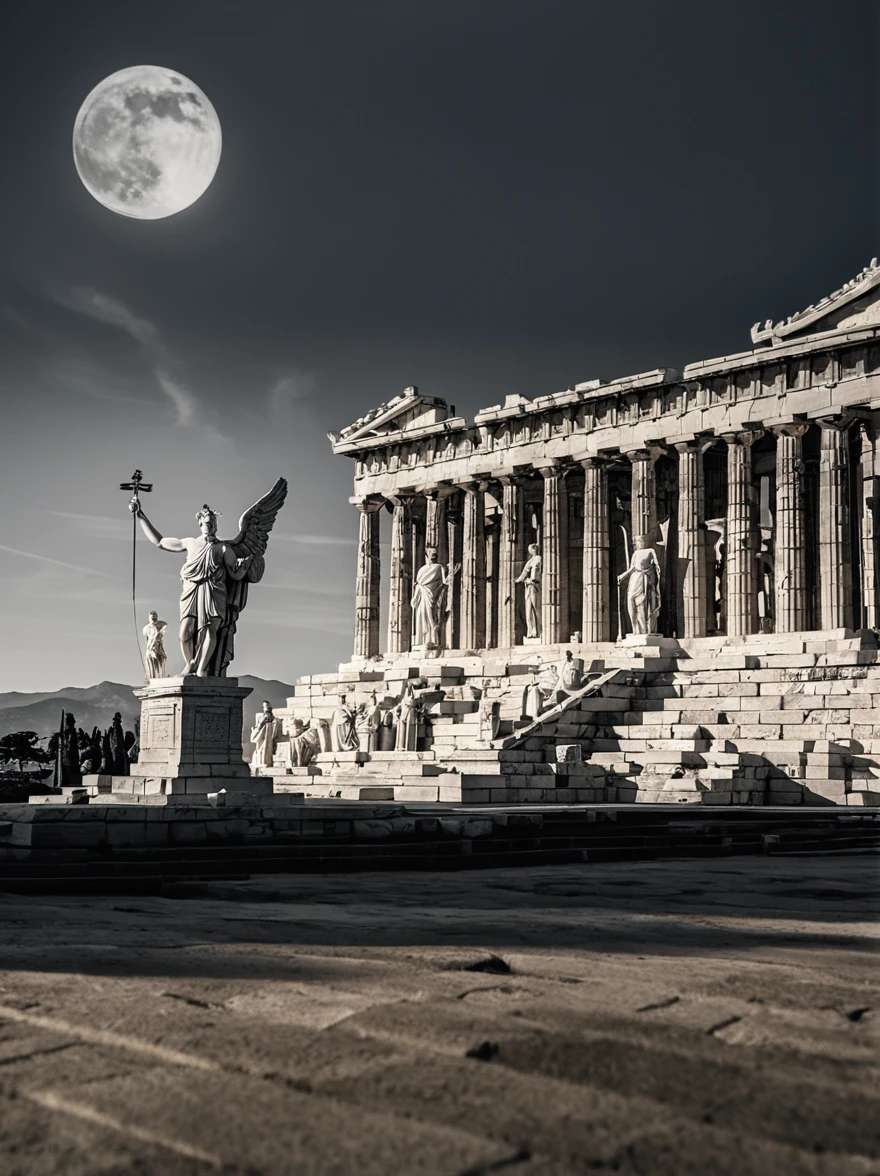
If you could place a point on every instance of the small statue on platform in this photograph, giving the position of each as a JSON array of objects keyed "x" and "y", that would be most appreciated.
[
  {"x": 215, "y": 579},
  {"x": 154, "y": 650},
  {"x": 643, "y": 589},
  {"x": 342, "y": 726},
  {"x": 427, "y": 601},
  {"x": 305, "y": 743},
  {"x": 367, "y": 724},
  {"x": 408, "y": 713},
  {"x": 264, "y": 736},
  {"x": 533, "y": 697},
  {"x": 387, "y": 735},
  {"x": 569, "y": 674},
  {"x": 530, "y": 576}
]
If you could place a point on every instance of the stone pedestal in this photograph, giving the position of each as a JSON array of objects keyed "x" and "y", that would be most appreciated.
[{"x": 191, "y": 739}]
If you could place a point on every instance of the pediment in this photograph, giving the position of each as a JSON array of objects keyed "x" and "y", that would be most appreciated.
[
  {"x": 854, "y": 305},
  {"x": 409, "y": 410}
]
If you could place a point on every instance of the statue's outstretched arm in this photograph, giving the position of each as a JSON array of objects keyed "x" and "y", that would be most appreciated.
[{"x": 166, "y": 544}]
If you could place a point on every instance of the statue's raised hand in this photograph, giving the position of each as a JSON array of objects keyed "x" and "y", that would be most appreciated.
[{"x": 134, "y": 506}]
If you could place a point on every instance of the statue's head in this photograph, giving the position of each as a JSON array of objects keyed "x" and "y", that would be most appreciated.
[
  {"x": 207, "y": 520},
  {"x": 267, "y": 707},
  {"x": 642, "y": 542},
  {"x": 154, "y": 616},
  {"x": 568, "y": 655},
  {"x": 431, "y": 555},
  {"x": 533, "y": 549}
]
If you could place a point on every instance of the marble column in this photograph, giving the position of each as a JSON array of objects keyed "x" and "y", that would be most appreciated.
[
  {"x": 553, "y": 570},
  {"x": 790, "y": 540},
  {"x": 435, "y": 522},
  {"x": 453, "y": 515},
  {"x": 510, "y": 558},
  {"x": 835, "y": 556},
  {"x": 400, "y": 579},
  {"x": 596, "y": 623},
  {"x": 869, "y": 509},
  {"x": 644, "y": 493},
  {"x": 692, "y": 538},
  {"x": 366, "y": 624},
  {"x": 741, "y": 589},
  {"x": 473, "y": 577}
]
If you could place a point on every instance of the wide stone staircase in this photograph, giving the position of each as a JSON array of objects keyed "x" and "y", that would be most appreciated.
[{"x": 767, "y": 719}]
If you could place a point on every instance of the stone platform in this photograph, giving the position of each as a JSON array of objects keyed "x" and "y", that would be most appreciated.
[
  {"x": 190, "y": 743},
  {"x": 120, "y": 847},
  {"x": 761, "y": 719}
]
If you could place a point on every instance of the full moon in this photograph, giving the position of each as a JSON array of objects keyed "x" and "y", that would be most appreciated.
[{"x": 146, "y": 142}]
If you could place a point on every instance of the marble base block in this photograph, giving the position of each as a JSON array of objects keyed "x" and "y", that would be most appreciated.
[{"x": 190, "y": 738}]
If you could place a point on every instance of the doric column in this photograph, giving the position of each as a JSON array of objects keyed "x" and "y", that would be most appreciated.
[
  {"x": 366, "y": 622},
  {"x": 835, "y": 556},
  {"x": 597, "y": 589},
  {"x": 644, "y": 493},
  {"x": 435, "y": 522},
  {"x": 790, "y": 544},
  {"x": 400, "y": 579},
  {"x": 553, "y": 566},
  {"x": 869, "y": 510},
  {"x": 490, "y": 538},
  {"x": 741, "y": 589},
  {"x": 473, "y": 580},
  {"x": 510, "y": 555},
  {"x": 453, "y": 572},
  {"x": 692, "y": 538}
]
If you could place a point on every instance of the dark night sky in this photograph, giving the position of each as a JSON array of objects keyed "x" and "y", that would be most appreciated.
[{"x": 479, "y": 197}]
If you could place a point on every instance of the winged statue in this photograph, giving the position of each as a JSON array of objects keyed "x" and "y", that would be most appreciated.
[{"x": 215, "y": 579}]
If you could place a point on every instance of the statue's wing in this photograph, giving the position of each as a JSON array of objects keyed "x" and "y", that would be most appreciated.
[{"x": 254, "y": 527}]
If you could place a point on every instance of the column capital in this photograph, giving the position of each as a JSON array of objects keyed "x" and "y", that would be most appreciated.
[
  {"x": 793, "y": 428},
  {"x": 596, "y": 461},
  {"x": 835, "y": 424},
  {"x": 369, "y": 504},
  {"x": 645, "y": 453},
  {"x": 693, "y": 444},
  {"x": 742, "y": 436},
  {"x": 550, "y": 470}
]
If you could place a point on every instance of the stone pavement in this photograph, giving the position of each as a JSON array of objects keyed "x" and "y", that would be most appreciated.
[{"x": 664, "y": 1017}]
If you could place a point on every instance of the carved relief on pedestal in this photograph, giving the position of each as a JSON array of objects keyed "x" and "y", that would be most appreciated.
[
  {"x": 211, "y": 727},
  {"x": 159, "y": 728}
]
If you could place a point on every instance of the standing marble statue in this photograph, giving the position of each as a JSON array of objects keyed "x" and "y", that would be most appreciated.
[
  {"x": 264, "y": 736},
  {"x": 643, "y": 589},
  {"x": 407, "y": 711},
  {"x": 533, "y": 697},
  {"x": 154, "y": 650},
  {"x": 530, "y": 576},
  {"x": 215, "y": 579},
  {"x": 427, "y": 601},
  {"x": 342, "y": 726},
  {"x": 569, "y": 674}
]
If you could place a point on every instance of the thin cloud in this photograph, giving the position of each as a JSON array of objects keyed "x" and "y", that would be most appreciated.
[
  {"x": 46, "y": 559},
  {"x": 96, "y": 526},
  {"x": 315, "y": 540},
  {"x": 185, "y": 403},
  {"x": 289, "y": 388},
  {"x": 89, "y": 379},
  {"x": 105, "y": 309}
]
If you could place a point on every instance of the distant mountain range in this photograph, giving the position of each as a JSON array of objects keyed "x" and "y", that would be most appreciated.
[{"x": 95, "y": 706}]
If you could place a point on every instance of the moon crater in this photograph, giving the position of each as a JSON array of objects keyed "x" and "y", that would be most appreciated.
[{"x": 146, "y": 142}]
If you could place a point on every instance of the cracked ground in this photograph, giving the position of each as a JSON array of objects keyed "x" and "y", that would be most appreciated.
[{"x": 665, "y": 1017}]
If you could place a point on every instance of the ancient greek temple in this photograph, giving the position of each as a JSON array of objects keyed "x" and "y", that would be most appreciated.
[{"x": 748, "y": 481}]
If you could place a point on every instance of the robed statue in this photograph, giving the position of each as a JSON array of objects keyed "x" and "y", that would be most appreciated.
[
  {"x": 215, "y": 579},
  {"x": 427, "y": 601},
  {"x": 643, "y": 588}
]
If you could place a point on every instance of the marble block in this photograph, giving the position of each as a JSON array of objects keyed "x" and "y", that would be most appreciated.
[{"x": 191, "y": 730}]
